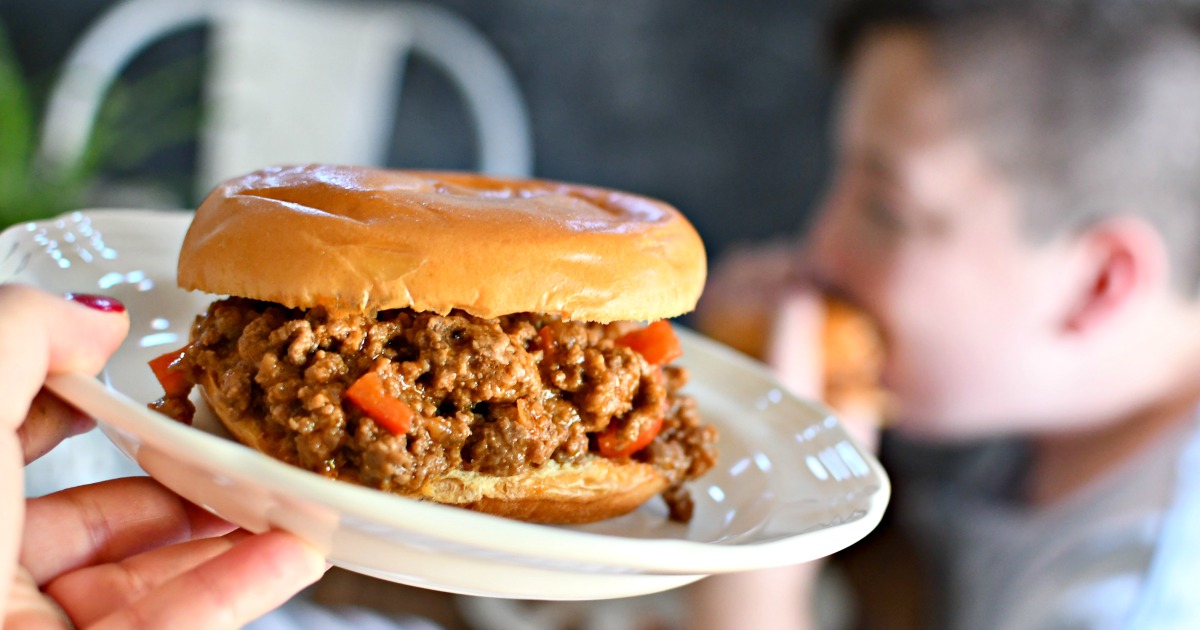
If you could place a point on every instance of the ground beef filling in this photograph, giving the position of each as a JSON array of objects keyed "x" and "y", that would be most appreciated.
[{"x": 496, "y": 396}]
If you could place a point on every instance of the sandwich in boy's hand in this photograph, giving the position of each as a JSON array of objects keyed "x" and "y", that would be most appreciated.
[
  {"x": 452, "y": 337},
  {"x": 740, "y": 307}
]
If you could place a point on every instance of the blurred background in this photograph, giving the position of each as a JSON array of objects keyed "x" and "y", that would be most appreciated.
[{"x": 720, "y": 109}]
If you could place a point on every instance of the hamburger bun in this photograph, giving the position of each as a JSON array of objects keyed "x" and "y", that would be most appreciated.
[
  {"x": 852, "y": 355},
  {"x": 361, "y": 240},
  {"x": 355, "y": 240}
]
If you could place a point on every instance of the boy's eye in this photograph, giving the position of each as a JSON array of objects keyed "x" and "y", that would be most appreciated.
[{"x": 881, "y": 214}]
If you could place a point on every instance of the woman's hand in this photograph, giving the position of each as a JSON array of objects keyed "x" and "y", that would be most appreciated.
[{"x": 123, "y": 553}]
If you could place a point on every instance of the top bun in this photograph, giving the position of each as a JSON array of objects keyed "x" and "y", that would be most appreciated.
[{"x": 355, "y": 239}]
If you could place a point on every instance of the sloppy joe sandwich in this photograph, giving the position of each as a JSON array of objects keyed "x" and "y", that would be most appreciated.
[{"x": 496, "y": 344}]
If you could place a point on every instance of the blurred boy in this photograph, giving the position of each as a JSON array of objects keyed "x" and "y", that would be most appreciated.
[{"x": 1017, "y": 201}]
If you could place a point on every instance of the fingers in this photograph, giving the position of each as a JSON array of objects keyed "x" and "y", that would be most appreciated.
[
  {"x": 795, "y": 354},
  {"x": 40, "y": 334},
  {"x": 130, "y": 551},
  {"x": 105, "y": 522},
  {"x": 740, "y": 297},
  {"x": 27, "y": 607},
  {"x": 43, "y": 334},
  {"x": 12, "y": 509},
  {"x": 92, "y": 593},
  {"x": 862, "y": 419},
  {"x": 794, "y": 343},
  {"x": 253, "y": 577},
  {"x": 50, "y": 421}
]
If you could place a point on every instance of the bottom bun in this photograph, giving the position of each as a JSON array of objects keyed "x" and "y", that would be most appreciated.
[
  {"x": 593, "y": 489},
  {"x": 585, "y": 492}
]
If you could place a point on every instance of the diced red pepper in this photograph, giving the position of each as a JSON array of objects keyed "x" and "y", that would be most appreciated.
[
  {"x": 546, "y": 340},
  {"x": 167, "y": 370},
  {"x": 610, "y": 442},
  {"x": 369, "y": 395},
  {"x": 656, "y": 343}
]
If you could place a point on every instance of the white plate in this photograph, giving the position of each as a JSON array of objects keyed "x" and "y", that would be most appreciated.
[{"x": 790, "y": 485}]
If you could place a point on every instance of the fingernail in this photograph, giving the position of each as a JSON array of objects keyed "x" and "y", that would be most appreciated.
[{"x": 98, "y": 302}]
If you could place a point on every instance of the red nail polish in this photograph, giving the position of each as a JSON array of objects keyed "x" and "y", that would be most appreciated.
[{"x": 98, "y": 302}]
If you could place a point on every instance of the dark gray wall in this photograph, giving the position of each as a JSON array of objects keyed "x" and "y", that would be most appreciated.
[{"x": 718, "y": 107}]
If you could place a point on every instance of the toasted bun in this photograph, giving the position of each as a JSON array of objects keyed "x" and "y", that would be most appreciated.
[
  {"x": 358, "y": 239},
  {"x": 852, "y": 359},
  {"x": 593, "y": 490}
]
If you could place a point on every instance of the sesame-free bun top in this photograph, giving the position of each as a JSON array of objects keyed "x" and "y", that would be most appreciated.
[{"x": 356, "y": 239}]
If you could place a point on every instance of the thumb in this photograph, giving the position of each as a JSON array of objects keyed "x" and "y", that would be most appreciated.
[
  {"x": 43, "y": 334},
  {"x": 40, "y": 334}
]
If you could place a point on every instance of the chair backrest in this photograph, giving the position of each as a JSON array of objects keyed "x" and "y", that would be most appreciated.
[{"x": 293, "y": 81}]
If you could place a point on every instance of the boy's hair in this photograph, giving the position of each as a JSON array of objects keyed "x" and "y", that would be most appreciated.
[{"x": 1092, "y": 109}]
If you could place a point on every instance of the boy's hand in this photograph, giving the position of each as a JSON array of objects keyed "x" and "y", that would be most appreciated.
[
  {"x": 795, "y": 345},
  {"x": 755, "y": 303}
]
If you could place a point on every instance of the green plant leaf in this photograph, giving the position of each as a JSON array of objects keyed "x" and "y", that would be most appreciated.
[
  {"x": 120, "y": 138},
  {"x": 16, "y": 123}
]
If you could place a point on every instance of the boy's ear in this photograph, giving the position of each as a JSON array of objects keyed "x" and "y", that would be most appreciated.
[{"x": 1126, "y": 256}]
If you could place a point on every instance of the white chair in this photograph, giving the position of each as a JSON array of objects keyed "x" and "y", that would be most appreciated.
[{"x": 293, "y": 81}]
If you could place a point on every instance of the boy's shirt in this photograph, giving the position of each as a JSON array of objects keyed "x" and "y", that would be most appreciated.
[{"x": 1123, "y": 552}]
